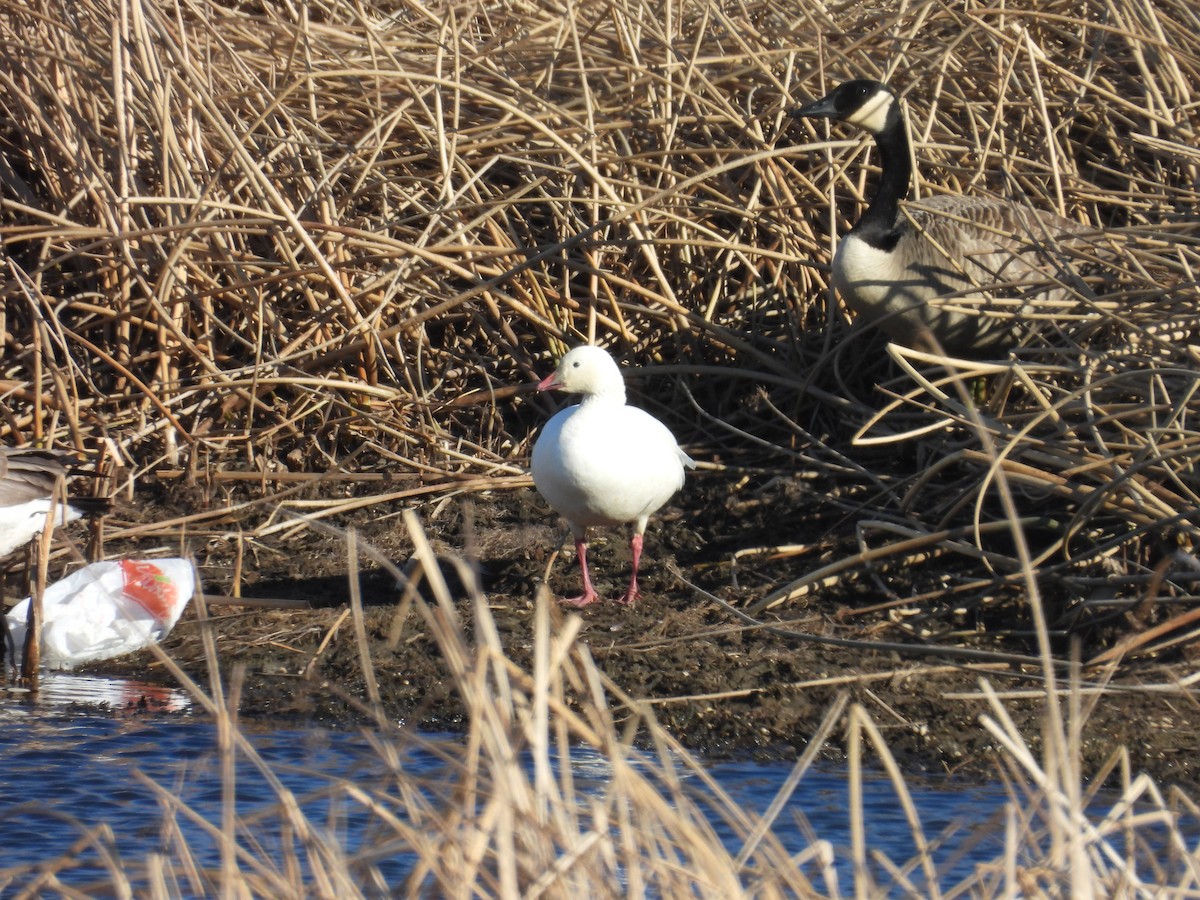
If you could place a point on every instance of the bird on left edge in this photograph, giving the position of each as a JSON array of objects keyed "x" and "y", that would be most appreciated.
[
  {"x": 28, "y": 478},
  {"x": 602, "y": 462}
]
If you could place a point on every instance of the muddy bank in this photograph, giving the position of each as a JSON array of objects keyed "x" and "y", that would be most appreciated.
[{"x": 718, "y": 684}]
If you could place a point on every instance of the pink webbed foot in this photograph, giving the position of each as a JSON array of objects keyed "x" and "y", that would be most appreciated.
[
  {"x": 630, "y": 596},
  {"x": 584, "y": 599}
]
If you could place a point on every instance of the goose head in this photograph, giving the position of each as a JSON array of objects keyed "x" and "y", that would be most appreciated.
[
  {"x": 871, "y": 105},
  {"x": 586, "y": 370}
]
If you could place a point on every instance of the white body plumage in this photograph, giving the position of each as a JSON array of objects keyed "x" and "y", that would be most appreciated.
[
  {"x": 599, "y": 466},
  {"x": 20, "y": 524}
]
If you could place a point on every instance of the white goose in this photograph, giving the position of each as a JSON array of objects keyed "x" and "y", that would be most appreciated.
[
  {"x": 28, "y": 480},
  {"x": 602, "y": 462}
]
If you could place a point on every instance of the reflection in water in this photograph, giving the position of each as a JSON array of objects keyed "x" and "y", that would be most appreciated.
[{"x": 59, "y": 689}]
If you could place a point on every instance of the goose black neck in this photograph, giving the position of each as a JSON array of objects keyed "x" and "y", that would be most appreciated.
[{"x": 877, "y": 226}]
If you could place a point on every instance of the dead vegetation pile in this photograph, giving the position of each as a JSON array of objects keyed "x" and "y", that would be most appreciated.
[{"x": 324, "y": 240}]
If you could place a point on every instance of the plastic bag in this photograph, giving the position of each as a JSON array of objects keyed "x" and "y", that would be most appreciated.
[{"x": 107, "y": 609}]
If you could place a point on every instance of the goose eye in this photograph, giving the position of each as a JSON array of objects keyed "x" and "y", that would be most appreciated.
[{"x": 575, "y": 365}]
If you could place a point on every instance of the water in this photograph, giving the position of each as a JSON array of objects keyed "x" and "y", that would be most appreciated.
[{"x": 65, "y": 770}]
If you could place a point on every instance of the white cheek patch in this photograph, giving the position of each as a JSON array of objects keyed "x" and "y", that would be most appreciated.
[{"x": 873, "y": 114}]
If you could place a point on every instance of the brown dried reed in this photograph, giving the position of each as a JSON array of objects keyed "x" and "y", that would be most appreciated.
[{"x": 337, "y": 238}]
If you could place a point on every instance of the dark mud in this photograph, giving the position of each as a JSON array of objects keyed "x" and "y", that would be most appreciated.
[{"x": 718, "y": 685}]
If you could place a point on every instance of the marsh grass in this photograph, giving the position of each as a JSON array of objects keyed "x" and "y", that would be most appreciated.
[
  {"x": 564, "y": 787},
  {"x": 306, "y": 249},
  {"x": 309, "y": 246}
]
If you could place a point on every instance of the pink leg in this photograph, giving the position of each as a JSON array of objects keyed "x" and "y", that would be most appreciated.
[
  {"x": 589, "y": 594},
  {"x": 635, "y": 544}
]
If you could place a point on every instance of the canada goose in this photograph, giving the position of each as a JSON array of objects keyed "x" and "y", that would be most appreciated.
[
  {"x": 602, "y": 462},
  {"x": 28, "y": 479},
  {"x": 965, "y": 252}
]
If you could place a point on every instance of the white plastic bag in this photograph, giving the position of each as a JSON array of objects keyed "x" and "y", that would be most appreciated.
[{"x": 107, "y": 609}]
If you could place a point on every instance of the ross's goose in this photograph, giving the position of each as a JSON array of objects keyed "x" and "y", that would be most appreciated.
[
  {"x": 28, "y": 479},
  {"x": 602, "y": 462}
]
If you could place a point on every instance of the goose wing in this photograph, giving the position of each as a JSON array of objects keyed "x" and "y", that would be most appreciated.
[
  {"x": 978, "y": 243},
  {"x": 29, "y": 475}
]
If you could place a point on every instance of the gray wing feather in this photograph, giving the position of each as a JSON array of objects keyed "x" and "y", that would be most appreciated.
[
  {"x": 30, "y": 474},
  {"x": 976, "y": 256}
]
